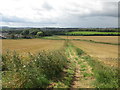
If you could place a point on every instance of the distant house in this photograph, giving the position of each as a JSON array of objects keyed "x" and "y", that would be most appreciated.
[
  {"x": 18, "y": 35},
  {"x": 10, "y": 36},
  {"x": 2, "y": 37}
]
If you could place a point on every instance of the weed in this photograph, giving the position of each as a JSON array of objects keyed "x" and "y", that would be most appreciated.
[
  {"x": 79, "y": 51},
  {"x": 82, "y": 69},
  {"x": 80, "y": 62},
  {"x": 87, "y": 74},
  {"x": 83, "y": 66},
  {"x": 76, "y": 58}
]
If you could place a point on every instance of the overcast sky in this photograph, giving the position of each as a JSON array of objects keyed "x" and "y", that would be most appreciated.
[{"x": 59, "y": 13}]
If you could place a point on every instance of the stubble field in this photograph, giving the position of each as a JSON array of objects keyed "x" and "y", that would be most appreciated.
[
  {"x": 107, "y": 54},
  {"x": 24, "y": 46},
  {"x": 108, "y": 39}
]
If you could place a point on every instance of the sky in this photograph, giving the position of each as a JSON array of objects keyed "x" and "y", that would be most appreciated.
[{"x": 59, "y": 13}]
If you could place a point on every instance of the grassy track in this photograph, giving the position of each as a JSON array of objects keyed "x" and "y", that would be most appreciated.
[
  {"x": 83, "y": 77},
  {"x": 78, "y": 74},
  {"x": 90, "y": 73}
]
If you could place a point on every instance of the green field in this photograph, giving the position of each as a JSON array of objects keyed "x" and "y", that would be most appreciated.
[{"x": 92, "y": 33}]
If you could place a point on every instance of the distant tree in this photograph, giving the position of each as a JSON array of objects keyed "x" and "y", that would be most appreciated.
[
  {"x": 39, "y": 33},
  {"x": 12, "y": 36},
  {"x": 33, "y": 32},
  {"x": 25, "y": 32}
]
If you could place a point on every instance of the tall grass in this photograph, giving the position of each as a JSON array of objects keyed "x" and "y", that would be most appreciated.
[
  {"x": 106, "y": 77},
  {"x": 34, "y": 71}
]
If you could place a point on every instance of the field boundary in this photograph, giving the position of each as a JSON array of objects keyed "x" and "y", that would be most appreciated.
[{"x": 92, "y": 41}]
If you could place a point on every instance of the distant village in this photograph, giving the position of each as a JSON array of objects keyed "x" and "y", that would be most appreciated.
[
  {"x": 14, "y": 33},
  {"x": 2, "y": 36},
  {"x": 29, "y": 32},
  {"x": 7, "y": 36}
]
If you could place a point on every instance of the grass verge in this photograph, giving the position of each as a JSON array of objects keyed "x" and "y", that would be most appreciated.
[{"x": 106, "y": 77}]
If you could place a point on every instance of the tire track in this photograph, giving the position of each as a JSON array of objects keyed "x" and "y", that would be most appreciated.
[{"x": 83, "y": 77}]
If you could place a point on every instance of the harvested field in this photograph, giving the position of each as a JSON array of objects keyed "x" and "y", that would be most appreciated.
[
  {"x": 107, "y": 54},
  {"x": 30, "y": 45},
  {"x": 109, "y": 39}
]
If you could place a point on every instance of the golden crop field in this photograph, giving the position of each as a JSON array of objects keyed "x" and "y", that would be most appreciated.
[
  {"x": 24, "y": 46},
  {"x": 80, "y": 57},
  {"x": 108, "y": 54},
  {"x": 109, "y": 39}
]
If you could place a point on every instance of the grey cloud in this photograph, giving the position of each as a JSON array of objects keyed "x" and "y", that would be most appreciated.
[
  {"x": 70, "y": 20},
  {"x": 119, "y": 9},
  {"x": 12, "y": 19},
  {"x": 108, "y": 9},
  {"x": 96, "y": 21},
  {"x": 96, "y": 18},
  {"x": 47, "y": 6}
]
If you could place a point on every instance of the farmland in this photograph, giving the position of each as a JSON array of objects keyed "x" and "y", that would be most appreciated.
[
  {"x": 107, "y": 54},
  {"x": 108, "y": 39},
  {"x": 24, "y": 46},
  {"x": 60, "y": 44},
  {"x": 60, "y": 62},
  {"x": 91, "y": 33}
]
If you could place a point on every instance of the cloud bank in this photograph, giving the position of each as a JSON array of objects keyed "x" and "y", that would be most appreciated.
[{"x": 59, "y": 13}]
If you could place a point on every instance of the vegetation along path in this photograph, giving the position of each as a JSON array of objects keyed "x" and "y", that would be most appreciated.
[
  {"x": 90, "y": 73},
  {"x": 78, "y": 74},
  {"x": 83, "y": 76}
]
